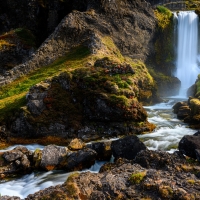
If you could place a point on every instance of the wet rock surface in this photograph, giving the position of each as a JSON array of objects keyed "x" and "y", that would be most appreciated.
[
  {"x": 103, "y": 149},
  {"x": 127, "y": 147},
  {"x": 189, "y": 111},
  {"x": 124, "y": 179},
  {"x": 190, "y": 145}
]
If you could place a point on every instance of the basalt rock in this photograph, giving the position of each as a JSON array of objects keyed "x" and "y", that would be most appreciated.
[
  {"x": 189, "y": 111},
  {"x": 190, "y": 145},
  {"x": 79, "y": 160},
  {"x": 127, "y": 147},
  {"x": 125, "y": 179},
  {"x": 103, "y": 149}
]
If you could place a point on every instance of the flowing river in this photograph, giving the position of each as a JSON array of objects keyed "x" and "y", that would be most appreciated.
[{"x": 166, "y": 136}]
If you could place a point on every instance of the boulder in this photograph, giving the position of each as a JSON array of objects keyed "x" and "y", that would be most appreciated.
[
  {"x": 188, "y": 145},
  {"x": 52, "y": 156},
  {"x": 16, "y": 161},
  {"x": 103, "y": 149},
  {"x": 159, "y": 159},
  {"x": 178, "y": 105},
  {"x": 127, "y": 147},
  {"x": 183, "y": 112},
  {"x": 76, "y": 144},
  {"x": 79, "y": 160}
]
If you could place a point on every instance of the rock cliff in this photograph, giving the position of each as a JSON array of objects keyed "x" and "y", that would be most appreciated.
[{"x": 98, "y": 94}]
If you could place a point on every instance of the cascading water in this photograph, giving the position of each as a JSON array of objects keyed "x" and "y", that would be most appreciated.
[{"x": 187, "y": 50}]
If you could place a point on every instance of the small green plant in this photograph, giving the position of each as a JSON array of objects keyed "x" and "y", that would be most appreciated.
[
  {"x": 137, "y": 177},
  {"x": 191, "y": 181}
]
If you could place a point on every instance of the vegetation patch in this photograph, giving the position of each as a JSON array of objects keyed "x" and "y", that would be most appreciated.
[
  {"x": 164, "y": 44},
  {"x": 12, "y": 96},
  {"x": 137, "y": 177}
]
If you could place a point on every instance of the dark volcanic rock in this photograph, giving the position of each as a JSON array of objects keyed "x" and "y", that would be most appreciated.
[
  {"x": 103, "y": 150},
  {"x": 178, "y": 105},
  {"x": 127, "y": 147},
  {"x": 79, "y": 160},
  {"x": 127, "y": 180},
  {"x": 159, "y": 159},
  {"x": 188, "y": 145}
]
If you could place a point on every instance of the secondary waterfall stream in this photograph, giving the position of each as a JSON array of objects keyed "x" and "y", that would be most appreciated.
[{"x": 187, "y": 49}]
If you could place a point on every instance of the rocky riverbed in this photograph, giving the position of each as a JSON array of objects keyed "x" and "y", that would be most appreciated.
[{"x": 136, "y": 173}]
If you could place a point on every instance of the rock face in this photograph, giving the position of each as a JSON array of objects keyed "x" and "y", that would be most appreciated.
[
  {"x": 101, "y": 18},
  {"x": 127, "y": 147},
  {"x": 84, "y": 104},
  {"x": 15, "y": 47},
  {"x": 16, "y": 161},
  {"x": 52, "y": 156},
  {"x": 127, "y": 180},
  {"x": 22, "y": 161},
  {"x": 189, "y": 111},
  {"x": 190, "y": 145}
]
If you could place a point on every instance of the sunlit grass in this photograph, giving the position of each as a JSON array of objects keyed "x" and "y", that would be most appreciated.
[{"x": 12, "y": 96}]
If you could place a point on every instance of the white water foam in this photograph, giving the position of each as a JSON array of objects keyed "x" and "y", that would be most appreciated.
[
  {"x": 169, "y": 130},
  {"x": 34, "y": 182},
  {"x": 31, "y": 147},
  {"x": 166, "y": 136}
]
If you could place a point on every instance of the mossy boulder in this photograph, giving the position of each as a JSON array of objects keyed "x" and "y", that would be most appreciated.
[{"x": 84, "y": 101}]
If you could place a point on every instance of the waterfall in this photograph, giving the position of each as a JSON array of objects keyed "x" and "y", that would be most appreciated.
[{"x": 187, "y": 50}]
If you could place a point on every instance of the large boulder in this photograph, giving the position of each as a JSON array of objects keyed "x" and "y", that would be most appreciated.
[
  {"x": 16, "y": 161},
  {"x": 52, "y": 156},
  {"x": 103, "y": 149},
  {"x": 127, "y": 147},
  {"x": 79, "y": 160},
  {"x": 189, "y": 144}
]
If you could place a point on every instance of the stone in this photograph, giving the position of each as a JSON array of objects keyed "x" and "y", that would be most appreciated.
[
  {"x": 188, "y": 144},
  {"x": 79, "y": 160},
  {"x": 12, "y": 155},
  {"x": 127, "y": 147},
  {"x": 103, "y": 150},
  {"x": 178, "y": 105},
  {"x": 52, "y": 156},
  {"x": 183, "y": 112},
  {"x": 76, "y": 144}
]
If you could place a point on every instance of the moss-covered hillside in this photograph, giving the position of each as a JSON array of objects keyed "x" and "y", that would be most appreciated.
[
  {"x": 81, "y": 94},
  {"x": 88, "y": 79}
]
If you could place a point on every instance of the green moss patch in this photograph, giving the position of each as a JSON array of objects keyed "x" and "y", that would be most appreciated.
[
  {"x": 12, "y": 96},
  {"x": 137, "y": 177}
]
